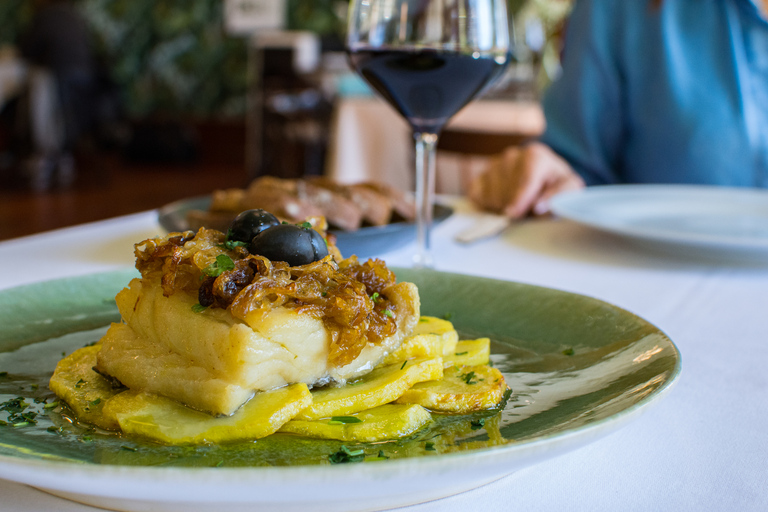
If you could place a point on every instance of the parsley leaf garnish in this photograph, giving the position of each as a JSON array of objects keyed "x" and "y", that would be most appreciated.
[
  {"x": 467, "y": 378},
  {"x": 232, "y": 244},
  {"x": 461, "y": 353},
  {"x": 429, "y": 446},
  {"x": 343, "y": 420},
  {"x": 198, "y": 308},
  {"x": 14, "y": 405},
  {"x": 477, "y": 424},
  {"x": 222, "y": 264},
  {"x": 346, "y": 455}
]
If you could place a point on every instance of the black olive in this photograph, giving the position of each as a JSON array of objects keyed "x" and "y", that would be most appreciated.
[
  {"x": 318, "y": 244},
  {"x": 250, "y": 223},
  {"x": 290, "y": 243}
]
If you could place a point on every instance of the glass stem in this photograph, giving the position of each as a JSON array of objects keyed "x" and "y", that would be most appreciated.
[{"x": 426, "y": 145}]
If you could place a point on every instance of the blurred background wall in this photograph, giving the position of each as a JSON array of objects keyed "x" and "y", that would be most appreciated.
[{"x": 173, "y": 56}]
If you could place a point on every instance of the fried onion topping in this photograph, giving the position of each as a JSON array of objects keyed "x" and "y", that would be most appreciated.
[{"x": 348, "y": 296}]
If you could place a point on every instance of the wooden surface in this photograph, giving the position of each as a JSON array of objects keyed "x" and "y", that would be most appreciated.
[{"x": 106, "y": 186}]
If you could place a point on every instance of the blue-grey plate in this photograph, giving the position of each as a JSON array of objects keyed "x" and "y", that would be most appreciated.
[{"x": 367, "y": 242}]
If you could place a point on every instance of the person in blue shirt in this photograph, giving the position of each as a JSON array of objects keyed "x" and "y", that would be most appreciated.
[{"x": 651, "y": 91}]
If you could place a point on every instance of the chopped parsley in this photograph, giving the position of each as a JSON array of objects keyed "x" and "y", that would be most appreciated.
[
  {"x": 128, "y": 448},
  {"x": 404, "y": 363},
  {"x": 305, "y": 225},
  {"x": 79, "y": 384},
  {"x": 345, "y": 455},
  {"x": 467, "y": 378},
  {"x": 477, "y": 424},
  {"x": 96, "y": 402},
  {"x": 429, "y": 446},
  {"x": 232, "y": 244},
  {"x": 17, "y": 417},
  {"x": 14, "y": 405},
  {"x": 222, "y": 264},
  {"x": 198, "y": 308},
  {"x": 343, "y": 420},
  {"x": 375, "y": 297},
  {"x": 461, "y": 353},
  {"x": 389, "y": 313},
  {"x": 568, "y": 352}
]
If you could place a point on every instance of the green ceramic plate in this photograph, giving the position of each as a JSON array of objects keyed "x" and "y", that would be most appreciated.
[{"x": 578, "y": 367}]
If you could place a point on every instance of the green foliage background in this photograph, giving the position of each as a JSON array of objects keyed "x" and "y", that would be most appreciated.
[{"x": 172, "y": 57}]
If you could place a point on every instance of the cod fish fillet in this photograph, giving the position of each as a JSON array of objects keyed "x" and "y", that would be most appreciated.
[{"x": 214, "y": 362}]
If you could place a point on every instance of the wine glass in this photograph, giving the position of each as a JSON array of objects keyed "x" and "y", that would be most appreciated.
[{"x": 428, "y": 59}]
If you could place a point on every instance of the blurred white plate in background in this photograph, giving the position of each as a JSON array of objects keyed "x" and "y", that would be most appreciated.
[{"x": 700, "y": 220}]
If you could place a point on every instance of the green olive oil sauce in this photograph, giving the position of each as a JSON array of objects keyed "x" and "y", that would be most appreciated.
[{"x": 51, "y": 431}]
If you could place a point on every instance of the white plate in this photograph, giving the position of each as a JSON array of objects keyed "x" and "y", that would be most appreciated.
[{"x": 688, "y": 219}]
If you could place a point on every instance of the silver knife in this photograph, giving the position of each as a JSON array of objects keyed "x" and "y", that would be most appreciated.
[{"x": 487, "y": 225}]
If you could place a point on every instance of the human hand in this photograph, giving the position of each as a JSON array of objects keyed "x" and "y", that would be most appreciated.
[{"x": 522, "y": 180}]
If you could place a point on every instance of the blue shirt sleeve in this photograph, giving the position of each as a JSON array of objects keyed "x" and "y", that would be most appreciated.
[
  {"x": 673, "y": 93},
  {"x": 583, "y": 107}
]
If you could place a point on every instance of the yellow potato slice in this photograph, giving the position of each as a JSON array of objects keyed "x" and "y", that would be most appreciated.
[
  {"x": 169, "y": 422},
  {"x": 469, "y": 353},
  {"x": 84, "y": 390},
  {"x": 431, "y": 337},
  {"x": 391, "y": 421},
  {"x": 463, "y": 389},
  {"x": 381, "y": 386}
]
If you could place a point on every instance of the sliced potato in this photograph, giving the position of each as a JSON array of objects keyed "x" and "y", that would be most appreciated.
[
  {"x": 167, "y": 421},
  {"x": 431, "y": 337},
  {"x": 383, "y": 385},
  {"x": 84, "y": 390},
  {"x": 469, "y": 353},
  {"x": 463, "y": 389},
  {"x": 391, "y": 421}
]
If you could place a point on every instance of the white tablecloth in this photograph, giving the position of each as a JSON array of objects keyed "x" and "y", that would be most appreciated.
[{"x": 702, "y": 448}]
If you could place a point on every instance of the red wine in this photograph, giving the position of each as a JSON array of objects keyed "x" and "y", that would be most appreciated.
[{"x": 426, "y": 86}]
